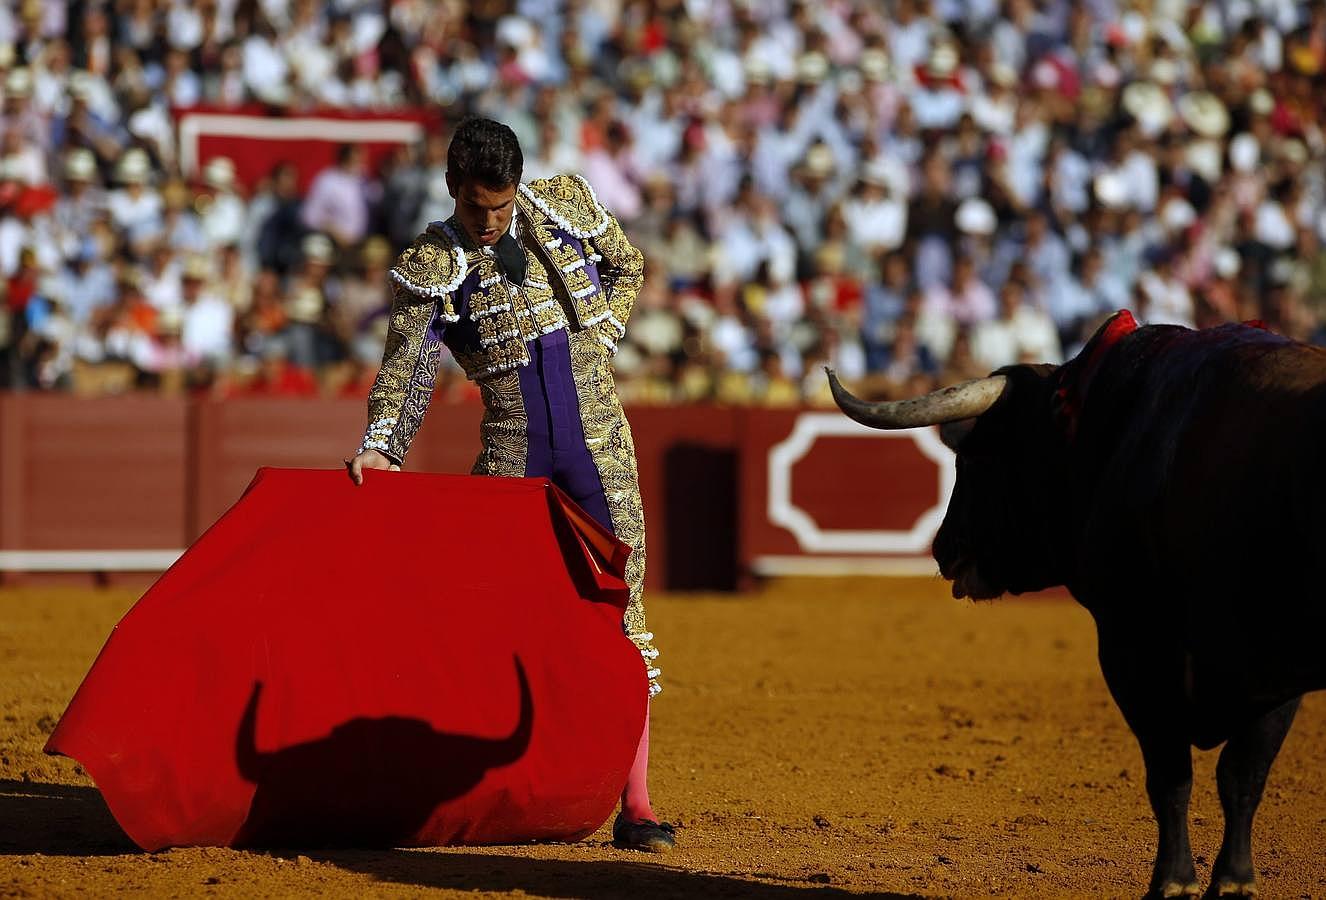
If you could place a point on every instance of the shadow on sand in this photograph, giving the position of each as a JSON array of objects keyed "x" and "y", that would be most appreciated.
[
  {"x": 588, "y": 879},
  {"x": 58, "y": 820},
  {"x": 72, "y": 820}
]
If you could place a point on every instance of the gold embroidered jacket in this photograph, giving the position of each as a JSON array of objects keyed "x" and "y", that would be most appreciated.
[{"x": 582, "y": 274}]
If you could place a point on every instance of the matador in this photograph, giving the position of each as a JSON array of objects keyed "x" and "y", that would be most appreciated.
[{"x": 530, "y": 287}]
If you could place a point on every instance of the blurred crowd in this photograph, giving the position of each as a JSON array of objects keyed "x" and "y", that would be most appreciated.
[{"x": 913, "y": 192}]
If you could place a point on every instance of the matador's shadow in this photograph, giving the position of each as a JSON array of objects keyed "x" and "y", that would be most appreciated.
[{"x": 369, "y": 783}]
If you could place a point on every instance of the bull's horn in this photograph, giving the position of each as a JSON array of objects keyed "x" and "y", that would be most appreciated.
[{"x": 961, "y": 401}]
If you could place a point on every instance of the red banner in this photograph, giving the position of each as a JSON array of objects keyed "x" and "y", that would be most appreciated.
[{"x": 257, "y": 141}]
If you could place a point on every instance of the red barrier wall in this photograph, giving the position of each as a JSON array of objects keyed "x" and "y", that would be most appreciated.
[
  {"x": 728, "y": 493},
  {"x": 84, "y": 474}
]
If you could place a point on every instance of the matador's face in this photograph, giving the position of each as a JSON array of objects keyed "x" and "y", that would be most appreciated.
[{"x": 484, "y": 211}]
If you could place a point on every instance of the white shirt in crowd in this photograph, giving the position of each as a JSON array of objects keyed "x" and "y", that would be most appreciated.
[
  {"x": 208, "y": 328},
  {"x": 134, "y": 214},
  {"x": 1028, "y": 334}
]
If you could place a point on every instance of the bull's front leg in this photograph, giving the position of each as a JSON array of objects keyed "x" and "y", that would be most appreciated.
[
  {"x": 1240, "y": 776},
  {"x": 1168, "y": 761}
]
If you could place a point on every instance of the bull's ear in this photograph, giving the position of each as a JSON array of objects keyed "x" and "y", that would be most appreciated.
[{"x": 953, "y": 433}]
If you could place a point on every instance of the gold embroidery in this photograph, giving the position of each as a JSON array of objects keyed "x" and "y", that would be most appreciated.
[
  {"x": 538, "y": 310},
  {"x": 608, "y": 438},
  {"x": 432, "y": 268},
  {"x": 621, "y": 272},
  {"x": 569, "y": 202},
  {"x": 505, "y": 428},
  {"x": 404, "y": 383}
]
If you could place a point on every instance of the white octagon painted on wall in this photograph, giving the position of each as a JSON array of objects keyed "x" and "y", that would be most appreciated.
[{"x": 814, "y": 539}]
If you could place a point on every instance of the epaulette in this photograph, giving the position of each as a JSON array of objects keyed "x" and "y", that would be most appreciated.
[
  {"x": 433, "y": 266},
  {"x": 570, "y": 203}
]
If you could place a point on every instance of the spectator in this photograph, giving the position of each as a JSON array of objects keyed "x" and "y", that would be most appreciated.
[
  {"x": 281, "y": 232},
  {"x": 337, "y": 202},
  {"x": 207, "y": 321},
  {"x": 808, "y": 183},
  {"x": 1019, "y": 333}
]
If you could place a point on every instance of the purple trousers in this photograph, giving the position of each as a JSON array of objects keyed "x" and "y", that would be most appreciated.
[{"x": 556, "y": 436}]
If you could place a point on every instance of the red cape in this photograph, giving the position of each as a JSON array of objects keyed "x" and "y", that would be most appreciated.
[{"x": 423, "y": 660}]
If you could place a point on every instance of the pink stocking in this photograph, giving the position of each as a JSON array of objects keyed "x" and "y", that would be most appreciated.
[{"x": 635, "y": 798}]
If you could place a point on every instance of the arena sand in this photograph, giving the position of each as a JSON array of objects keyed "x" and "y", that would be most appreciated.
[{"x": 825, "y": 737}]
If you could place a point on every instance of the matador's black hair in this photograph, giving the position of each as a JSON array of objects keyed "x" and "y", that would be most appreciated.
[{"x": 485, "y": 151}]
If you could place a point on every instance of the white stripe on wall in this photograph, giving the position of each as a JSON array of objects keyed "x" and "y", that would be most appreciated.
[
  {"x": 844, "y": 565},
  {"x": 88, "y": 560}
]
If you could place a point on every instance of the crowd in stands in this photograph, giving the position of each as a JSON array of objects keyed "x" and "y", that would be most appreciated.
[{"x": 913, "y": 192}]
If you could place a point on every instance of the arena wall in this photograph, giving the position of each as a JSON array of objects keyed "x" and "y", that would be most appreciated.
[{"x": 731, "y": 494}]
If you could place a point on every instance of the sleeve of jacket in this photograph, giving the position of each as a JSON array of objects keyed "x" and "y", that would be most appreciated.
[
  {"x": 621, "y": 271},
  {"x": 424, "y": 277}
]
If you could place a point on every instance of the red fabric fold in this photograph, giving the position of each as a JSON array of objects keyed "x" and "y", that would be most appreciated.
[{"x": 424, "y": 660}]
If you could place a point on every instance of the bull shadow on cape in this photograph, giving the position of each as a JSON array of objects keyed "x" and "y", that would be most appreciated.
[{"x": 369, "y": 783}]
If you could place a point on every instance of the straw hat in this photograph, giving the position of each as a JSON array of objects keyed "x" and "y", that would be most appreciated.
[
  {"x": 170, "y": 321},
  {"x": 80, "y": 165},
  {"x": 1261, "y": 102},
  {"x": 133, "y": 167},
  {"x": 318, "y": 248},
  {"x": 1294, "y": 151},
  {"x": 1227, "y": 262},
  {"x": 18, "y": 83},
  {"x": 1164, "y": 71},
  {"x": 1111, "y": 190},
  {"x": 197, "y": 267},
  {"x": 1203, "y": 112},
  {"x": 876, "y": 173},
  {"x": 306, "y": 304},
  {"x": 756, "y": 70},
  {"x": 812, "y": 68},
  {"x": 1148, "y": 103},
  {"x": 875, "y": 64},
  {"x": 219, "y": 173},
  {"x": 1177, "y": 214},
  {"x": 819, "y": 160},
  {"x": 1003, "y": 75},
  {"x": 943, "y": 61},
  {"x": 975, "y": 216}
]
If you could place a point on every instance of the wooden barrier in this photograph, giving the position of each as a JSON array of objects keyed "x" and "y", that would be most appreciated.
[
  {"x": 93, "y": 474},
  {"x": 126, "y": 483}
]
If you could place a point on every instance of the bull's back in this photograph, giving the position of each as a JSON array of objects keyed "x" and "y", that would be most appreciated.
[{"x": 1211, "y": 463}]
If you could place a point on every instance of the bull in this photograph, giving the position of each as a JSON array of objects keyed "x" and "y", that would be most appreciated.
[{"x": 1173, "y": 481}]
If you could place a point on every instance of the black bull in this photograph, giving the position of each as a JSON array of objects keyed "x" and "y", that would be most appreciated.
[{"x": 1173, "y": 480}]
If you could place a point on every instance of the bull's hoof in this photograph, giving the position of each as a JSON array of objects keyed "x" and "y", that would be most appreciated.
[
  {"x": 1175, "y": 888},
  {"x": 1230, "y": 887}
]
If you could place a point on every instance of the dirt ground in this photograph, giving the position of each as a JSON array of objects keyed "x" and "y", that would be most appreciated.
[{"x": 829, "y": 736}]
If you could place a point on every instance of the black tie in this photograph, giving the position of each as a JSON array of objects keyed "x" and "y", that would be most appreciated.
[{"x": 512, "y": 257}]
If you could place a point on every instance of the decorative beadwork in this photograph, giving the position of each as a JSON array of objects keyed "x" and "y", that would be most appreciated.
[
  {"x": 608, "y": 438},
  {"x": 476, "y": 314},
  {"x": 428, "y": 269},
  {"x": 570, "y": 202},
  {"x": 505, "y": 428}
]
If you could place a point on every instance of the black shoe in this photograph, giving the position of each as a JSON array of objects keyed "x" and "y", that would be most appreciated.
[{"x": 647, "y": 837}]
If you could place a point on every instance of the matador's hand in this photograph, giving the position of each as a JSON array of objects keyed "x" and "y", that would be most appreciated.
[{"x": 369, "y": 459}]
